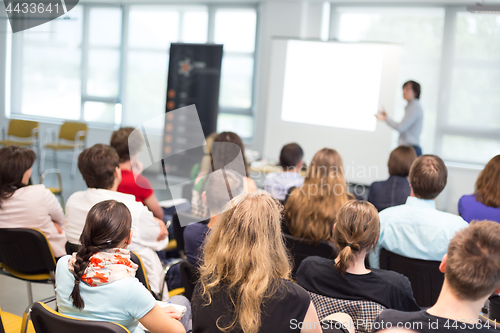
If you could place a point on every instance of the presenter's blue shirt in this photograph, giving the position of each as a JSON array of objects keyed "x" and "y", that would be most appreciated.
[{"x": 411, "y": 126}]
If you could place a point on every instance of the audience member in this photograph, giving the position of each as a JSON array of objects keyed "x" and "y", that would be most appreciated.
[
  {"x": 278, "y": 183},
  {"x": 127, "y": 144},
  {"x": 98, "y": 282},
  {"x": 311, "y": 208},
  {"x": 28, "y": 206},
  {"x": 471, "y": 274},
  {"x": 484, "y": 204},
  {"x": 417, "y": 229},
  {"x": 355, "y": 233},
  {"x": 101, "y": 172},
  {"x": 395, "y": 190},
  {"x": 244, "y": 284}
]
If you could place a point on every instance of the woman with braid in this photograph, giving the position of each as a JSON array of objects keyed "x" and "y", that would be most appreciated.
[
  {"x": 98, "y": 282},
  {"x": 355, "y": 233}
]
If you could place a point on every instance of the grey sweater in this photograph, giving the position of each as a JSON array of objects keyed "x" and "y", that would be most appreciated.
[{"x": 411, "y": 126}]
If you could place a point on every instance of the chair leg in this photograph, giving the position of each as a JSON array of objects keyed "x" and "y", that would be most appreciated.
[
  {"x": 73, "y": 163},
  {"x": 42, "y": 160},
  {"x": 55, "y": 158},
  {"x": 30, "y": 293}
]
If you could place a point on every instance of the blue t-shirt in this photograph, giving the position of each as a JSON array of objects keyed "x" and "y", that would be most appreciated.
[
  {"x": 194, "y": 236},
  {"x": 123, "y": 301},
  {"x": 471, "y": 209}
]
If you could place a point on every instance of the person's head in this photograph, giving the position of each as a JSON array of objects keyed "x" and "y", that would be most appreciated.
[
  {"x": 221, "y": 188},
  {"x": 411, "y": 90},
  {"x": 225, "y": 149},
  {"x": 108, "y": 225},
  {"x": 291, "y": 156},
  {"x": 99, "y": 166},
  {"x": 15, "y": 169},
  {"x": 311, "y": 209},
  {"x": 127, "y": 143},
  {"x": 428, "y": 176},
  {"x": 400, "y": 161},
  {"x": 245, "y": 252},
  {"x": 472, "y": 265},
  {"x": 356, "y": 231},
  {"x": 488, "y": 183}
]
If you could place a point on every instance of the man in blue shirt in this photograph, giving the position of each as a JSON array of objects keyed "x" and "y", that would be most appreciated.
[
  {"x": 278, "y": 184},
  {"x": 417, "y": 229}
]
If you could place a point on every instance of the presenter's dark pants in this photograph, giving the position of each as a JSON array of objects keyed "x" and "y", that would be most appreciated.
[{"x": 418, "y": 150}]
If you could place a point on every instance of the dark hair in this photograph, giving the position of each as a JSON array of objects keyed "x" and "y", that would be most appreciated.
[
  {"x": 428, "y": 176},
  {"x": 291, "y": 155},
  {"x": 126, "y": 142},
  {"x": 488, "y": 184},
  {"x": 415, "y": 86},
  {"x": 224, "y": 154},
  {"x": 108, "y": 223},
  {"x": 97, "y": 165},
  {"x": 400, "y": 161},
  {"x": 14, "y": 162}
]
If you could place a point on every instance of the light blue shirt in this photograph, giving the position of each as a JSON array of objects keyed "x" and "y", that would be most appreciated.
[
  {"x": 416, "y": 230},
  {"x": 411, "y": 126},
  {"x": 278, "y": 184},
  {"x": 123, "y": 301}
]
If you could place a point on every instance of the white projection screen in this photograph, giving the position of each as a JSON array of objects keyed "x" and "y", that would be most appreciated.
[{"x": 325, "y": 94}]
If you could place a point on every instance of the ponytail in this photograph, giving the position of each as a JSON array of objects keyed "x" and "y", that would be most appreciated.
[{"x": 347, "y": 257}]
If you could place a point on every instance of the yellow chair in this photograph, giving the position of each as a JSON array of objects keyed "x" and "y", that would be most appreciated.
[
  {"x": 10, "y": 323},
  {"x": 72, "y": 136},
  {"x": 56, "y": 190},
  {"x": 21, "y": 133}
]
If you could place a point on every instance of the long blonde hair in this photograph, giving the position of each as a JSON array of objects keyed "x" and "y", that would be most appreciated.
[
  {"x": 245, "y": 252},
  {"x": 311, "y": 209}
]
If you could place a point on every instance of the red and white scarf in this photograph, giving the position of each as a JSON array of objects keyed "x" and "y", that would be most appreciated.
[{"x": 106, "y": 267}]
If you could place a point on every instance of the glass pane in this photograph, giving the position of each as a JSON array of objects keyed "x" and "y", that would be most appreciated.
[
  {"x": 105, "y": 25},
  {"x": 477, "y": 36},
  {"x": 103, "y": 73},
  {"x": 99, "y": 112},
  {"x": 146, "y": 88},
  {"x": 194, "y": 27},
  {"x": 64, "y": 30},
  {"x": 153, "y": 27},
  {"x": 236, "y": 82},
  {"x": 471, "y": 149},
  {"x": 239, "y": 124},
  {"x": 235, "y": 28}
]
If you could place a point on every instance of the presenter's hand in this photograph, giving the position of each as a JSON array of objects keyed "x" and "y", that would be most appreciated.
[{"x": 381, "y": 115}]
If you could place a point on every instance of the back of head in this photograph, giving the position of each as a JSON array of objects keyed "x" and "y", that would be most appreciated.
[
  {"x": 291, "y": 155},
  {"x": 126, "y": 142},
  {"x": 428, "y": 176},
  {"x": 97, "y": 165},
  {"x": 225, "y": 149},
  {"x": 14, "y": 162},
  {"x": 311, "y": 209},
  {"x": 473, "y": 264},
  {"x": 357, "y": 228},
  {"x": 488, "y": 183},
  {"x": 415, "y": 86},
  {"x": 108, "y": 223},
  {"x": 400, "y": 161},
  {"x": 245, "y": 252},
  {"x": 221, "y": 188}
]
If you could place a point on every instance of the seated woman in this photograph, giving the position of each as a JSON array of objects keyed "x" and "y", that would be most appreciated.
[
  {"x": 356, "y": 232},
  {"x": 310, "y": 209},
  {"x": 484, "y": 204},
  {"x": 90, "y": 284},
  {"x": 395, "y": 190},
  {"x": 33, "y": 206},
  {"x": 244, "y": 284}
]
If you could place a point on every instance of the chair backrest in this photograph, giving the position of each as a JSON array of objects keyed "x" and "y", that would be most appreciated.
[
  {"x": 140, "y": 274},
  {"x": 25, "y": 251},
  {"x": 424, "y": 275},
  {"x": 362, "y": 312},
  {"x": 70, "y": 128},
  {"x": 21, "y": 128},
  {"x": 302, "y": 249},
  {"x": 46, "y": 320},
  {"x": 494, "y": 310},
  {"x": 189, "y": 277}
]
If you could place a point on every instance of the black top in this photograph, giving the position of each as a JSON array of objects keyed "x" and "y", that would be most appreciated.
[
  {"x": 388, "y": 288},
  {"x": 281, "y": 313},
  {"x": 194, "y": 236},
  {"x": 388, "y": 193},
  {"x": 425, "y": 323}
]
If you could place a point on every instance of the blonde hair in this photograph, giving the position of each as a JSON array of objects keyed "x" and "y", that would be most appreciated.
[
  {"x": 245, "y": 252},
  {"x": 311, "y": 209},
  {"x": 357, "y": 228}
]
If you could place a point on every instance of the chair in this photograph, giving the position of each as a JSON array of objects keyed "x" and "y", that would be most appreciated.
[
  {"x": 56, "y": 190},
  {"x": 10, "y": 323},
  {"x": 179, "y": 230},
  {"x": 494, "y": 308},
  {"x": 424, "y": 275},
  {"x": 26, "y": 255},
  {"x": 72, "y": 136},
  {"x": 26, "y": 131},
  {"x": 189, "y": 277},
  {"x": 46, "y": 320},
  {"x": 301, "y": 249}
]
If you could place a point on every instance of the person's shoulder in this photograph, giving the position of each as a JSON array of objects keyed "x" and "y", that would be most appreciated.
[
  {"x": 394, "y": 278},
  {"x": 293, "y": 291},
  {"x": 393, "y": 211},
  {"x": 62, "y": 265},
  {"x": 315, "y": 261},
  {"x": 467, "y": 199},
  {"x": 196, "y": 227}
]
